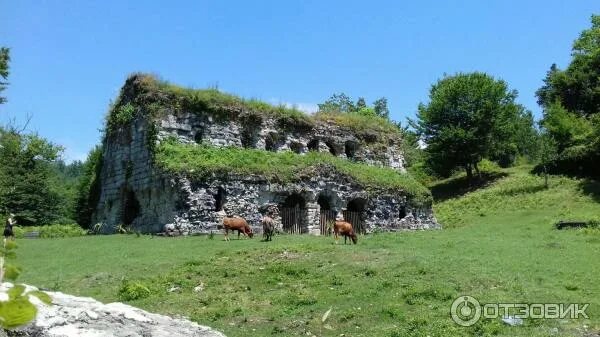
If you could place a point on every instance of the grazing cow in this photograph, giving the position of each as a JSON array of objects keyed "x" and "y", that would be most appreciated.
[
  {"x": 8, "y": 228},
  {"x": 268, "y": 227},
  {"x": 344, "y": 228},
  {"x": 236, "y": 224}
]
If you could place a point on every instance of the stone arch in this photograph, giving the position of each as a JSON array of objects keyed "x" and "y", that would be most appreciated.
[
  {"x": 220, "y": 198},
  {"x": 313, "y": 145},
  {"x": 350, "y": 148},
  {"x": 296, "y": 147},
  {"x": 327, "y": 211},
  {"x": 131, "y": 208},
  {"x": 199, "y": 136},
  {"x": 332, "y": 148},
  {"x": 294, "y": 215},
  {"x": 249, "y": 137},
  {"x": 355, "y": 214},
  {"x": 271, "y": 141},
  {"x": 402, "y": 212}
]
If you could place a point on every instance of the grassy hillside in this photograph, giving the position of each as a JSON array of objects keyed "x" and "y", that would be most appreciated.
[
  {"x": 515, "y": 192},
  {"x": 498, "y": 246},
  {"x": 202, "y": 161}
]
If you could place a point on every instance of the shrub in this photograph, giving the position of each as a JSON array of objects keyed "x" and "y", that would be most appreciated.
[
  {"x": 51, "y": 231},
  {"x": 120, "y": 116},
  {"x": 130, "y": 291}
]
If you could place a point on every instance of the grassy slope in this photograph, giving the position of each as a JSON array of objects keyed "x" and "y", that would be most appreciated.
[{"x": 387, "y": 285}]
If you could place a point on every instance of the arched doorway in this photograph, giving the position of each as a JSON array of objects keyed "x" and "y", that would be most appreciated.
[
  {"x": 294, "y": 215},
  {"x": 220, "y": 199},
  {"x": 350, "y": 148},
  {"x": 313, "y": 145},
  {"x": 327, "y": 213},
  {"x": 355, "y": 214},
  {"x": 131, "y": 208}
]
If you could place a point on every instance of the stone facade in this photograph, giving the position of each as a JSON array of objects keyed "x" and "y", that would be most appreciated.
[{"x": 137, "y": 194}]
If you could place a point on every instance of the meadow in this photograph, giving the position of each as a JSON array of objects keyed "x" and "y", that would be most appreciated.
[{"x": 498, "y": 245}]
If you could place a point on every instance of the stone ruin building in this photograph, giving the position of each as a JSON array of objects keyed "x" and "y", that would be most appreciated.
[{"x": 137, "y": 193}]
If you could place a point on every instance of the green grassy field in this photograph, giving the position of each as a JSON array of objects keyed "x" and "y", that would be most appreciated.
[{"x": 498, "y": 246}]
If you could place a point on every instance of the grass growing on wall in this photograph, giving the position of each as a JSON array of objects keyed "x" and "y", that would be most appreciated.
[
  {"x": 159, "y": 97},
  {"x": 204, "y": 160}
]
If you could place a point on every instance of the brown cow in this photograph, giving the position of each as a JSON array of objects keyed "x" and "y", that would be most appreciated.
[
  {"x": 236, "y": 224},
  {"x": 344, "y": 228}
]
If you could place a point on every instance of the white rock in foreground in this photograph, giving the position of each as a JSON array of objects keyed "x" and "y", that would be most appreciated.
[{"x": 83, "y": 316}]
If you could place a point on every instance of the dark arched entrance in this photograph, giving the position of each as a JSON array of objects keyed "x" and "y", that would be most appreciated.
[
  {"x": 355, "y": 214},
  {"x": 220, "y": 199},
  {"x": 131, "y": 208},
  {"x": 327, "y": 213},
  {"x": 294, "y": 216}
]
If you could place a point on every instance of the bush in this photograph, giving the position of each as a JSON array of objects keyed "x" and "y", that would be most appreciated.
[
  {"x": 576, "y": 161},
  {"x": 130, "y": 291},
  {"x": 51, "y": 231}
]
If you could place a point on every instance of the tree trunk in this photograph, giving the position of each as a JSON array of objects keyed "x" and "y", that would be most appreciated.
[{"x": 469, "y": 170}]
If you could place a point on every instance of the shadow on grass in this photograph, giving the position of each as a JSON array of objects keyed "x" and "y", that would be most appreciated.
[
  {"x": 590, "y": 187},
  {"x": 456, "y": 187}
]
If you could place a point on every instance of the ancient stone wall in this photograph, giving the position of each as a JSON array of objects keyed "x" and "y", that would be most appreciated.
[
  {"x": 133, "y": 192},
  {"x": 137, "y": 195},
  {"x": 324, "y": 192},
  {"x": 267, "y": 134}
]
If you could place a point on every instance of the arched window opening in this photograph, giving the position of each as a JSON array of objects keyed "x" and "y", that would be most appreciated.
[{"x": 220, "y": 199}]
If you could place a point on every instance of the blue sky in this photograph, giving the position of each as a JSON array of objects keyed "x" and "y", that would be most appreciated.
[{"x": 69, "y": 58}]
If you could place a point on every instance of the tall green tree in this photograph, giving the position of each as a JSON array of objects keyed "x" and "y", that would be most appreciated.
[
  {"x": 381, "y": 108},
  {"x": 469, "y": 117},
  {"x": 88, "y": 190},
  {"x": 337, "y": 103},
  {"x": 26, "y": 175},
  {"x": 4, "y": 70},
  {"x": 577, "y": 88}
]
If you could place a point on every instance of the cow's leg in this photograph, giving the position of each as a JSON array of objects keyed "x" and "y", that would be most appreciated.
[{"x": 226, "y": 234}]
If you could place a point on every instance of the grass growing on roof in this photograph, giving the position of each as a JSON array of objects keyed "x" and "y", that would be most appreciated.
[
  {"x": 161, "y": 97},
  {"x": 204, "y": 160}
]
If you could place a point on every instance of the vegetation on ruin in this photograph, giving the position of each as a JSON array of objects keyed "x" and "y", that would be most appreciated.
[
  {"x": 204, "y": 161},
  {"x": 144, "y": 93},
  {"x": 499, "y": 244}
]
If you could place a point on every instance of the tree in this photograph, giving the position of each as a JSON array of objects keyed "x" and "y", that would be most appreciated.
[
  {"x": 361, "y": 103},
  {"x": 4, "y": 59},
  {"x": 26, "y": 175},
  {"x": 381, "y": 108},
  {"x": 88, "y": 190},
  {"x": 469, "y": 117},
  {"x": 548, "y": 152},
  {"x": 337, "y": 103},
  {"x": 577, "y": 88}
]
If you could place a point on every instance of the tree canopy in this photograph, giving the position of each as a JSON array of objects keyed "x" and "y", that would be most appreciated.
[
  {"x": 470, "y": 117},
  {"x": 4, "y": 71},
  {"x": 570, "y": 99}
]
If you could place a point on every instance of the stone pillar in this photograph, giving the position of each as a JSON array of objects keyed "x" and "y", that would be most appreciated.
[{"x": 312, "y": 209}]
